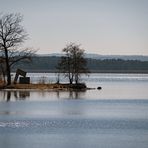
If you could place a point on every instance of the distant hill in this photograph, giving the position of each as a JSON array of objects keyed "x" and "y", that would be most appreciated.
[
  {"x": 48, "y": 63},
  {"x": 103, "y": 57},
  {"x": 123, "y": 57}
]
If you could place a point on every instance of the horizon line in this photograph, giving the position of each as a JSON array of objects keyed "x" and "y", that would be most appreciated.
[{"x": 96, "y": 54}]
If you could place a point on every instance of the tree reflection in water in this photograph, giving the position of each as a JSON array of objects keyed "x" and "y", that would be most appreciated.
[
  {"x": 70, "y": 94},
  {"x": 14, "y": 95},
  {"x": 8, "y": 95},
  {"x": 17, "y": 95}
]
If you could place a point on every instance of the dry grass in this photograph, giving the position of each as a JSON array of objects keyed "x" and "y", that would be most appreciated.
[
  {"x": 45, "y": 86},
  {"x": 36, "y": 86}
]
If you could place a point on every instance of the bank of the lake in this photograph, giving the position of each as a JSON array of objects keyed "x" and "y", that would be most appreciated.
[{"x": 52, "y": 86}]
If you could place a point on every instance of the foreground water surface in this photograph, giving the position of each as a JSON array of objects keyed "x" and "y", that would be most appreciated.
[{"x": 116, "y": 116}]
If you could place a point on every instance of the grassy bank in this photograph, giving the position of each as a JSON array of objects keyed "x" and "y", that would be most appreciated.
[{"x": 46, "y": 86}]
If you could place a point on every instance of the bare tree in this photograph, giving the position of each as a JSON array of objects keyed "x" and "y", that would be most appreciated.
[
  {"x": 73, "y": 64},
  {"x": 65, "y": 65},
  {"x": 12, "y": 35}
]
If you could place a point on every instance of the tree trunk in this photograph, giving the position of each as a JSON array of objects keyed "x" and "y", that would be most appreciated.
[
  {"x": 70, "y": 80},
  {"x": 7, "y": 68},
  {"x": 4, "y": 74},
  {"x": 76, "y": 80}
]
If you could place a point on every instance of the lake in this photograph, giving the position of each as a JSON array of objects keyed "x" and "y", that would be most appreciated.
[{"x": 116, "y": 116}]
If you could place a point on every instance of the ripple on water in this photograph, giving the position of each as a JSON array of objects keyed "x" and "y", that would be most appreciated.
[{"x": 71, "y": 124}]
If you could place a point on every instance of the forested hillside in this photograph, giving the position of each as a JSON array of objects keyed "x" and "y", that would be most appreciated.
[{"x": 48, "y": 64}]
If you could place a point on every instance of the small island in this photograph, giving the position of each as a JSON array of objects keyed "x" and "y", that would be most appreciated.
[{"x": 53, "y": 86}]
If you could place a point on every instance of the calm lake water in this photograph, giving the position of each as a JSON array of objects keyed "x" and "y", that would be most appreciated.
[{"x": 116, "y": 116}]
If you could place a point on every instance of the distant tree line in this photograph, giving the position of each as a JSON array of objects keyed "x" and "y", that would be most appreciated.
[
  {"x": 47, "y": 63},
  {"x": 117, "y": 64}
]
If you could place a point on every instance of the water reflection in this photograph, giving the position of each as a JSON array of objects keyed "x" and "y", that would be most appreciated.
[
  {"x": 75, "y": 94},
  {"x": 8, "y": 96},
  {"x": 24, "y": 94},
  {"x": 15, "y": 95},
  {"x": 40, "y": 95},
  {"x": 70, "y": 94}
]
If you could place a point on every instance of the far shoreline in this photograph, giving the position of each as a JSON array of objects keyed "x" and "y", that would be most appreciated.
[
  {"x": 92, "y": 71},
  {"x": 46, "y": 87}
]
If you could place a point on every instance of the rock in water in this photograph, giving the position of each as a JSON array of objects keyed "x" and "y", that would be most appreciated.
[{"x": 99, "y": 88}]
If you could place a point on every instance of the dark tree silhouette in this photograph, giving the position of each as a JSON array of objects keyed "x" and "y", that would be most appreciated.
[
  {"x": 73, "y": 64},
  {"x": 12, "y": 35}
]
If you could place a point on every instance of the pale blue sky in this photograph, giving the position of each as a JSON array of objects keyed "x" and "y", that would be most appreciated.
[{"x": 101, "y": 26}]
